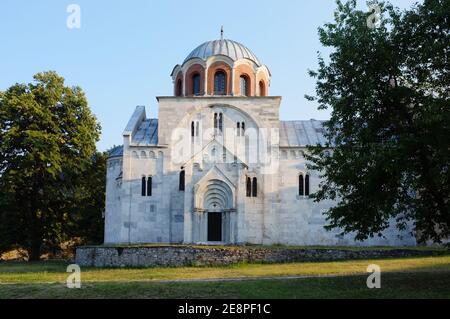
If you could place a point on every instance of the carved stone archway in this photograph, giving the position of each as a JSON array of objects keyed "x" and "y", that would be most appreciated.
[{"x": 214, "y": 217}]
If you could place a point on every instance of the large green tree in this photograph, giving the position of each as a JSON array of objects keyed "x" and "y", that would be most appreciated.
[
  {"x": 388, "y": 91},
  {"x": 47, "y": 143}
]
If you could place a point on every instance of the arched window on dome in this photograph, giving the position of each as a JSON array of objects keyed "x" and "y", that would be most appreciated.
[
  {"x": 244, "y": 85},
  {"x": 220, "y": 83},
  {"x": 196, "y": 84},
  {"x": 179, "y": 88},
  {"x": 262, "y": 88}
]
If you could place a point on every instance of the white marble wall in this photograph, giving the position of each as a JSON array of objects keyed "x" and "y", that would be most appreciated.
[{"x": 276, "y": 216}]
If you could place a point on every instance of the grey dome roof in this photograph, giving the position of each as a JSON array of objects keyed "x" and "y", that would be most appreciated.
[{"x": 229, "y": 48}]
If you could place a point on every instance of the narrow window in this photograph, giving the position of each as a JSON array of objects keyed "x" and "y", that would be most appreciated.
[
  {"x": 301, "y": 188},
  {"x": 220, "y": 82},
  {"x": 244, "y": 85},
  {"x": 307, "y": 185},
  {"x": 249, "y": 187},
  {"x": 196, "y": 84},
  {"x": 262, "y": 88},
  {"x": 179, "y": 88},
  {"x": 255, "y": 187},
  {"x": 192, "y": 129},
  {"x": 238, "y": 132},
  {"x": 243, "y": 129},
  {"x": 182, "y": 181},
  {"x": 220, "y": 122},
  {"x": 149, "y": 186},
  {"x": 143, "y": 186}
]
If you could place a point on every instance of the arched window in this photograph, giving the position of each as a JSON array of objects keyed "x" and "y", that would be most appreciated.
[
  {"x": 244, "y": 85},
  {"x": 218, "y": 121},
  {"x": 196, "y": 84},
  {"x": 240, "y": 126},
  {"x": 149, "y": 186},
  {"x": 220, "y": 83},
  {"x": 221, "y": 122},
  {"x": 182, "y": 181},
  {"x": 255, "y": 187},
  {"x": 179, "y": 88},
  {"x": 301, "y": 185},
  {"x": 307, "y": 185},
  {"x": 262, "y": 88},
  {"x": 249, "y": 187},
  {"x": 143, "y": 186}
]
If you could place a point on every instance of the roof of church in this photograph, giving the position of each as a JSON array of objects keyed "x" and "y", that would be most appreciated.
[
  {"x": 229, "y": 48},
  {"x": 292, "y": 134},
  {"x": 301, "y": 133},
  {"x": 147, "y": 133},
  {"x": 116, "y": 151}
]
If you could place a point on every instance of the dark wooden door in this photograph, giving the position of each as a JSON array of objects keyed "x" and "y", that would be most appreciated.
[{"x": 214, "y": 227}]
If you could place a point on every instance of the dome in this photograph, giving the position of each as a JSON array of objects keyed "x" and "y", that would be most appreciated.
[{"x": 229, "y": 48}]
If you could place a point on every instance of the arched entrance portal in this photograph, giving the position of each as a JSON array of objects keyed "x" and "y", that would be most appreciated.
[{"x": 215, "y": 202}]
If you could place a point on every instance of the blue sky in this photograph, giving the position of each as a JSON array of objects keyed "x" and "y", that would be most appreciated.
[{"x": 124, "y": 52}]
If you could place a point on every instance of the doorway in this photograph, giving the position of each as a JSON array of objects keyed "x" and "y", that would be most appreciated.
[{"x": 215, "y": 227}]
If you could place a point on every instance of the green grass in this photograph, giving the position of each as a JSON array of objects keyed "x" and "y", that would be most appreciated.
[
  {"x": 21, "y": 272},
  {"x": 418, "y": 277},
  {"x": 393, "y": 285}
]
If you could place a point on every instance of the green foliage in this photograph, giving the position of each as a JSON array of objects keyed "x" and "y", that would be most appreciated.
[
  {"x": 388, "y": 90},
  {"x": 47, "y": 146}
]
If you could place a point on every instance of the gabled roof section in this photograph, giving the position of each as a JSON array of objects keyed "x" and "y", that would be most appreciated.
[
  {"x": 135, "y": 120},
  {"x": 302, "y": 133},
  {"x": 117, "y": 151},
  {"x": 146, "y": 133}
]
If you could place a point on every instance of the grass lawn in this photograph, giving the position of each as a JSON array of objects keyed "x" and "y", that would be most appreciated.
[{"x": 421, "y": 277}]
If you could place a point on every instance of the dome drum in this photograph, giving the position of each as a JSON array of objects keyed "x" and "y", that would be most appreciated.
[{"x": 221, "y": 67}]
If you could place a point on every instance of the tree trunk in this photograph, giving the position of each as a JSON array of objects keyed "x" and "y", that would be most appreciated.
[{"x": 35, "y": 250}]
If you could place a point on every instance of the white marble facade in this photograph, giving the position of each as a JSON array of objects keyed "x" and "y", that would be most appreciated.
[{"x": 197, "y": 135}]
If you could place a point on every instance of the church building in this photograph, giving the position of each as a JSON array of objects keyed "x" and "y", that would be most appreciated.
[{"x": 218, "y": 166}]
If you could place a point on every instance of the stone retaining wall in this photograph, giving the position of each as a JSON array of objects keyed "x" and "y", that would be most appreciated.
[{"x": 176, "y": 256}]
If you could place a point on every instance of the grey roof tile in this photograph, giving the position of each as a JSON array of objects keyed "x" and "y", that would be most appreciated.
[
  {"x": 147, "y": 133},
  {"x": 229, "y": 48},
  {"x": 116, "y": 151},
  {"x": 292, "y": 134},
  {"x": 301, "y": 133}
]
